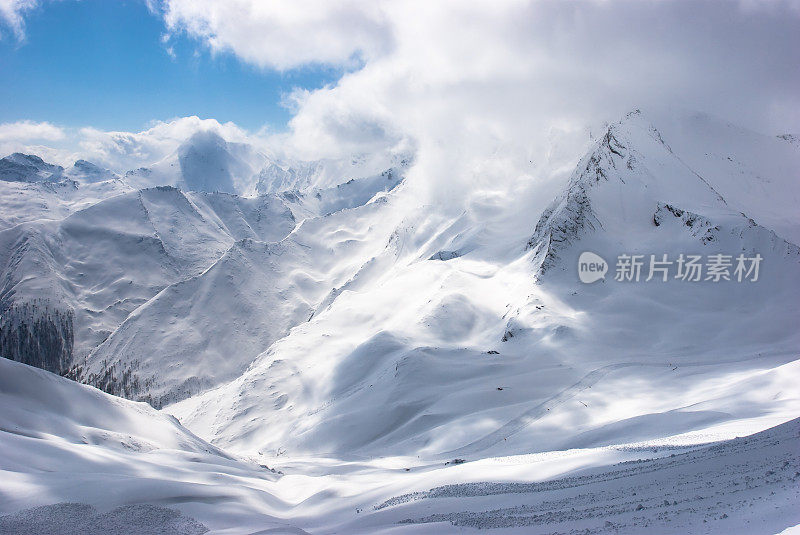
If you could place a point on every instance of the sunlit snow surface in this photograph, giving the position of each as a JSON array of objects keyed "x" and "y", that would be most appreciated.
[{"x": 338, "y": 352}]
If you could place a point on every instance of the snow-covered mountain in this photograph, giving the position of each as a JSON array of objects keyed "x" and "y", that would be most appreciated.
[
  {"x": 85, "y": 171},
  {"x": 102, "y": 262},
  {"x": 207, "y": 162},
  {"x": 91, "y": 294},
  {"x": 342, "y": 327},
  {"x": 473, "y": 354},
  {"x": 20, "y": 167},
  {"x": 207, "y": 328}
]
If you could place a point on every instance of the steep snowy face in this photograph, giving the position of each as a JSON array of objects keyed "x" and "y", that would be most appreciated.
[
  {"x": 462, "y": 338},
  {"x": 20, "y": 167},
  {"x": 634, "y": 176}
]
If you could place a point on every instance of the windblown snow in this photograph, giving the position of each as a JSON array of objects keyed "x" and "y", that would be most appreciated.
[{"x": 307, "y": 353}]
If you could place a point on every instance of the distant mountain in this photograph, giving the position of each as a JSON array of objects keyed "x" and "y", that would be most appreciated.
[
  {"x": 32, "y": 189},
  {"x": 205, "y": 162},
  {"x": 275, "y": 177},
  {"x": 89, "y": 172},
  {"x": 113, "y": 273},
  {"x": 20, "y": 167}
]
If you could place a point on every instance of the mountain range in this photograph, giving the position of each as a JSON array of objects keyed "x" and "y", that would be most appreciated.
[{"x": 306, "y": 351}]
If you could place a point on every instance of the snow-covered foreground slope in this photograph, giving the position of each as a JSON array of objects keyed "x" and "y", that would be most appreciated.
[
  {"x": 68, "y": 443},
  {"x": 745, "y": 485},
  {"x": 76, "y": 460}
]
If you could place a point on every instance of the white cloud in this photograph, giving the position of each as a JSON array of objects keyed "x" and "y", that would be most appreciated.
[
  {"x": 23, "y": 131},
  {"x": 282, "y": 35},
  {"x": 489, "y": 92},
  {"x": 481, "y": 86},
  {"x": 12, "y": 11},
  {"x": 29, "y": 137},
  {"x": 122, "y": 151}
]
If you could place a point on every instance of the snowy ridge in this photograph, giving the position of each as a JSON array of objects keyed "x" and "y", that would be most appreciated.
[
  {"x": 113, "y": 271},
  {"x": 20, "y": 167},
  {"x": 104, "y": 261},
  {"x": 634, "y": 153}
]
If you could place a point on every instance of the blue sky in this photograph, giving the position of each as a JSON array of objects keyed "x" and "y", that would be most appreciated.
[{"x": 102, "y": 63}]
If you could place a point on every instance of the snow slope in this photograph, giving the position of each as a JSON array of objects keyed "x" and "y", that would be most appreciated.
[
  {"x": 499, "y": 349},
  {"x": 77, "y": 460},
  {"x": 206, "y": 329},
  {"x": 100, "y": 263},
  {"x": 68, "y": 448}
]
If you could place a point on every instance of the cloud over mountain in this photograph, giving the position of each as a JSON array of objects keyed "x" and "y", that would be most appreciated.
[{"x": 479, "y": 82}]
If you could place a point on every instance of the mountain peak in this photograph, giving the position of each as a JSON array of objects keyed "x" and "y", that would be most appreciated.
[
  {"x": 19, "y": 167},
  {"x": 90, "y": 172},
  {"x": 205, "y": 163}
]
